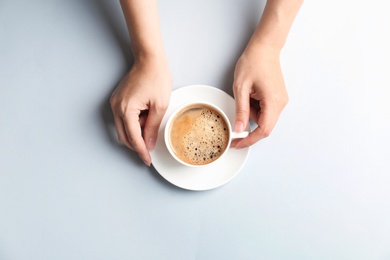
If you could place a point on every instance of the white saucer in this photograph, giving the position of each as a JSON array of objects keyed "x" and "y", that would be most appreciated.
[{"x": 209, "y": 176}]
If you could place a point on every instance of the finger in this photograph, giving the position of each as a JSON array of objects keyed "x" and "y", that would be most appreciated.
[
  {"x": 241, "y": 94},
  {"x": 134, "y": 136},
  {"x": 234, "y": 143},
  {"x": 254, "y": 112},
  {"x": 121, "y": 132},
  {"x": 266, "y": 121},
  {"x": 152, "y": 124}
]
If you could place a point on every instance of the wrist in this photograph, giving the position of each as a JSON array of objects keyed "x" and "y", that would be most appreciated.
[
  {"x": 147, "y": 53},
  {"x": 261, "y": 49},
  {"x": 262, "y": 39},
  {"x": 152, "y": 63}
]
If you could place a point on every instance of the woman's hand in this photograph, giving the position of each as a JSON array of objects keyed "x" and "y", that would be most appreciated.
[
  {"x": 258, "y": 85},
  {"x": 139, "y": 103},
  {"x": 259, "y": 91}
]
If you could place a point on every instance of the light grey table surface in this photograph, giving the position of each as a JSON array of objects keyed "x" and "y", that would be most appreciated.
[{"x": 317, "y": 188}]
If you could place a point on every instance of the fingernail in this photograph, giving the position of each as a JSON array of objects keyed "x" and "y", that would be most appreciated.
[
  {"x": 238, "y": 127},
  {"x": 147, "y": 163},
  {"x": 151, "y": 144}
]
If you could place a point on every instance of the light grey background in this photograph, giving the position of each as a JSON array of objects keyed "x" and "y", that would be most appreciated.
[{"x": 317, "y": 188}]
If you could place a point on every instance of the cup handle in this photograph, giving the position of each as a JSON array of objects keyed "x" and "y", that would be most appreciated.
[{"x": 236, "y": 135}]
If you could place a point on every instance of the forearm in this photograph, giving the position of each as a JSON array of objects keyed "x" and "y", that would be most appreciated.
[
  {"x": 275, "y": 23},
  {"x": 144, "y": 29}
]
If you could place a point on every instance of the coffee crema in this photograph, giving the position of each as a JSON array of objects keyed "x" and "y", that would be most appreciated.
[{"x": 199, "y": 134}]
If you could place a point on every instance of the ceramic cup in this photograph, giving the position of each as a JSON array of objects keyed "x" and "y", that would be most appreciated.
[{"x": 199, "y": 134}]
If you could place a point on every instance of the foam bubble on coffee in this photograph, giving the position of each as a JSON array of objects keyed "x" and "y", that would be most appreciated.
[{"x": 199, "y": 135}]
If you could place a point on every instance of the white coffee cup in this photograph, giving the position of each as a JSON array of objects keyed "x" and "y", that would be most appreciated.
[{"x": 198, "y": 134}]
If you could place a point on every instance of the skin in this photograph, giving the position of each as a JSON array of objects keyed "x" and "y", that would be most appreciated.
[
  {"x": 141, "y": 98},
  {"x": 259, "y": 87}
]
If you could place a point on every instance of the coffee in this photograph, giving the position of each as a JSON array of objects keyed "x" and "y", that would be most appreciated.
[{"x": 199, "y": 134}]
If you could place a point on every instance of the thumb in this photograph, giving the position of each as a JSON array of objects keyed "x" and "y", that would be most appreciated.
[
  {"x": 152, "y": 125},
  {"x": 241, "y": 94}
]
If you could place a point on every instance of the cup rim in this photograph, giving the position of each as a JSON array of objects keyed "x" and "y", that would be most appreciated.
[{"x": 172, "y": 116}]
